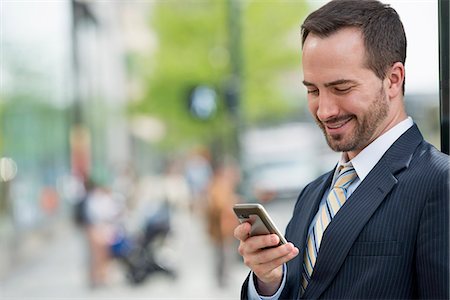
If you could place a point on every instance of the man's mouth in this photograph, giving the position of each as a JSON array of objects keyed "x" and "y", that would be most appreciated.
[{"x": 334, "y": 125}]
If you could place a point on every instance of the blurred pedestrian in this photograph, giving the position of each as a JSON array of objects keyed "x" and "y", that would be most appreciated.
[
  {"x": 198, "y": 173},
  {"x": 221, "y": 220},
  {"x": 174, "y": 186},
  {"x": 103, "y": 220},
  {"x": 80, "y": 206}
]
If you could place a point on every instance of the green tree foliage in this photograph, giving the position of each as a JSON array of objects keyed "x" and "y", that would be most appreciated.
[
  {"x": 190, "y": 35},
  {"x": 193, "y": 48},
  {"x": 271, "y": 42}
]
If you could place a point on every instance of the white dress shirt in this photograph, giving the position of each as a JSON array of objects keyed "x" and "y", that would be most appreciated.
[{"x": 363, "y": 163}]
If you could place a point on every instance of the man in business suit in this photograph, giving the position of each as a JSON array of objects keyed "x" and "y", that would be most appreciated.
[{"x": 377, "y": 226}]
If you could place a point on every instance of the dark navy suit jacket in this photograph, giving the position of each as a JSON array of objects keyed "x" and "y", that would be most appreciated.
[{"x": 391, "y": 238}]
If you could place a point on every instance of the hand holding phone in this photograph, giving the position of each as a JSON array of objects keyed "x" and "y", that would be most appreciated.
[
  {"x": 257, "y": 216},
  {"x": 269, "y": 274}
]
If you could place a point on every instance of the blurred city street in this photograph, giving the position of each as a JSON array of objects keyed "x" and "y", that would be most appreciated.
[
  {"x": 110, "y": 107},
  {"x": 58, "y": 271}
]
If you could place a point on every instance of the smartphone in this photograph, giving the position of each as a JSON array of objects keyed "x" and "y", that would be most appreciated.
[{"x": 257, "y": 216}]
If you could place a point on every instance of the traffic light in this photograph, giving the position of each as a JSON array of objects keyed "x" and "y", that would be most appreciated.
[{"x": 202, "y": 102}]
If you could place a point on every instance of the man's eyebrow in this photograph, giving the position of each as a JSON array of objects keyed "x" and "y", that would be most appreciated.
[
  {"x": 306, "y": 83},
  {"x": 340, "y": 81},
  {"x": 333, "y": 83}
]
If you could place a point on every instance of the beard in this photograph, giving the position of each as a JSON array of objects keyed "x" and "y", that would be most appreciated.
[{"x": 366, "y": 126}]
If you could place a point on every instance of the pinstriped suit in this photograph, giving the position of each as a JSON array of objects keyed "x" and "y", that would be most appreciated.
[{"x": 390, "y": 239}]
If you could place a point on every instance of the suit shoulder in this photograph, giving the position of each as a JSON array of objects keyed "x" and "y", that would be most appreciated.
[
  {"x": 432, "y": 159},
  {"x": 430, "y": 169}
]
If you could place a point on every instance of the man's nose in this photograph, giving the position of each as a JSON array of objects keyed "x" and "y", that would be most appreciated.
[{"x": 328, "y": 107}]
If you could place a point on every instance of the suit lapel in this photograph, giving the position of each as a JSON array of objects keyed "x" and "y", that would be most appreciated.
[
  {"x": 297, "y": 230},
  {"x": 307, "y": 211},
  {"x": 353, "y": 216}
]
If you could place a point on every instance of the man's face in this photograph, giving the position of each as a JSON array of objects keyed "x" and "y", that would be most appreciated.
[{"x": 347, "y": 99}]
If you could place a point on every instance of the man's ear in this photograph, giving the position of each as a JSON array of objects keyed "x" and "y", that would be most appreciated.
[{"x": 395, "y": 78}]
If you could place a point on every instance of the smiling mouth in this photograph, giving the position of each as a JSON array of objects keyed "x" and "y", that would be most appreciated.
[{"x": 336, "y": 124}]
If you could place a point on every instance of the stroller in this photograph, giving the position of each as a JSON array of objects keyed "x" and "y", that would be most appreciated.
[{"x": 138, "y": 254}]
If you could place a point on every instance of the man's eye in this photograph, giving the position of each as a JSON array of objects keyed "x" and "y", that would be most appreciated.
[
  {"x": 313, "y": 92},
  {"x": 343, "y": 90}
]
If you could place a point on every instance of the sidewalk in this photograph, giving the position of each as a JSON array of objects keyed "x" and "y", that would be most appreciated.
[{"x": 60, "y": 271}]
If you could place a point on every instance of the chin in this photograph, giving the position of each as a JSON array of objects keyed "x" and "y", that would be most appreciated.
[{"x": 339, "y": 145}]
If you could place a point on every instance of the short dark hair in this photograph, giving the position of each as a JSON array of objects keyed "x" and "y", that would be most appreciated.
[{"x": 383, "y": 32}]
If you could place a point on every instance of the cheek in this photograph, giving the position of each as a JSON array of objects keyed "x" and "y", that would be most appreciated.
[{"x": 354, "y": 104}]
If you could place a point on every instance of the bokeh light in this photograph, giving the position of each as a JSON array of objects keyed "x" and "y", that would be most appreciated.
[{"x": 8, "y": 169}]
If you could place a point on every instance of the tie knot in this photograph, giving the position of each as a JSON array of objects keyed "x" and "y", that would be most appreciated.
[{"x": 346, "y": 176}]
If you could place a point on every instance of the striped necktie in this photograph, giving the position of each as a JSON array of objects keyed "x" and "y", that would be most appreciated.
[{"x": 335, "y": 199}]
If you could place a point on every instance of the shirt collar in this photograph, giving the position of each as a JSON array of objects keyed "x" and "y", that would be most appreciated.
[{"x": 366, "y": 160}]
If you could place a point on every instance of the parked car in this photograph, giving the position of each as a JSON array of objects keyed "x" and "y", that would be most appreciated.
[
  {"x": 278, "y": 179},
  {"x": 278, "y": 161}
]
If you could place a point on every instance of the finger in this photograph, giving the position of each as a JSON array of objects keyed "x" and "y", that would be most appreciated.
[
  {"x": 262, "y": 249},
  {"x": 242, "y": 231},
  {"x": 261, "y": 242},
  {"x": 275, "y": 263},
  {"x": 272, "y": 254},
  {"x": 266, "y": 267},
  {"x": 251, "y": 247}
]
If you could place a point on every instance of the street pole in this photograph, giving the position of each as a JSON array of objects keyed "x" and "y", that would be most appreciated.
[
  {"x": 79, "y": 133},
  {"x": 233, "y": 89},
  {"x": 444, "y": 70}
]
